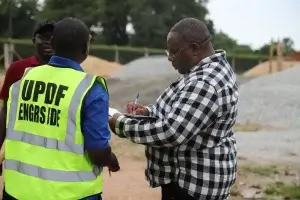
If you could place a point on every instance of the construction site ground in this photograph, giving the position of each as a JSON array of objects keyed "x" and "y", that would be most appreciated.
[
  {"x": 264, "y": 170},
  {"x": 268, "y": 159}
]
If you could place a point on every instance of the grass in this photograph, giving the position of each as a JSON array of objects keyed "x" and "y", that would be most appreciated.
[
  {"x": 248, "y": 127},
  {"x": 261, "y": 170},
  {"x": 288, "y": 191}
]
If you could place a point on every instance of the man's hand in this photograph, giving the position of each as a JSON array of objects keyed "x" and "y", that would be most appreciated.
[
  {"x": 113, "y": 165},
  {"x": 112, "y": 122},
  {"x": 136, "y": 109}
]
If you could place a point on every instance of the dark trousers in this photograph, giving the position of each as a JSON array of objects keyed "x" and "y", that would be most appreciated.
[
  {"x": 172, "y": 191},
  {"x": 8, "y": 197}
]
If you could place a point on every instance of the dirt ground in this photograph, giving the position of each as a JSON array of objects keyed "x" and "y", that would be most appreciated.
[
  {"x": 264, "y": 172},
  {"x": 258, "y": 176}
]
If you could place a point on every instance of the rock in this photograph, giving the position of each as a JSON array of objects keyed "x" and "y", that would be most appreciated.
[{"x": 251, "y": 193}]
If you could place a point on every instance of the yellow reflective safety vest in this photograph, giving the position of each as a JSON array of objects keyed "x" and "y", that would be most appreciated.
[{"x": 44, "y": 148}]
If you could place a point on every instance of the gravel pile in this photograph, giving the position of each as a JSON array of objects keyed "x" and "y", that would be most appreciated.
[
  {"x": 124, "y": 91},
  {"x": 147, "y": 75},
  {"x": 153, "y": 67},
  {"x": 272, "y": 100},
  {"x": 145, "y": 67}
]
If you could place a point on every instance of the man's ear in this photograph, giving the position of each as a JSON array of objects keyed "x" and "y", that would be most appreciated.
[
  {"x": 51, "y": 41},
  {"x": 85, "y": 49},
  {"x": 195, "y": 48}
]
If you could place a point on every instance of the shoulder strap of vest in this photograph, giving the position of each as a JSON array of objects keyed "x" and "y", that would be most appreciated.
[
  {"x": 26, "y": 71},
  {"x": 30, "y": 68},
  {"x": 102, "y": 81}
]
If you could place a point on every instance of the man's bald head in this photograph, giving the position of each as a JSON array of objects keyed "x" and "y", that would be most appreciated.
[
  {"x": 71, "y": 38},
  {"x": 188, "y": 43},
  {"x": 192, "y": 30}
]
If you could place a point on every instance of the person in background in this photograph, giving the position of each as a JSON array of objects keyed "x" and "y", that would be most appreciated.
[
  {"x": 41, "y": 42},
  {"x": 57, "y": 141},
  {"x": 190, "y": 146}
]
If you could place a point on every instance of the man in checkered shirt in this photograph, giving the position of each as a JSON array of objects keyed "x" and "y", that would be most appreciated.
[{"x": 190, "y": 146}]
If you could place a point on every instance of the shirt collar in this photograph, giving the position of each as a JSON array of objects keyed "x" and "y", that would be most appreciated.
[
  {"x": 65, "y": 62},
  {"x": 218, "y": 56}
]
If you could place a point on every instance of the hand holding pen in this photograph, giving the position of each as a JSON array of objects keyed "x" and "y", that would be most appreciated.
[
  {"x": 135, "y": 103},
  {"x": 136, "y": 108}
]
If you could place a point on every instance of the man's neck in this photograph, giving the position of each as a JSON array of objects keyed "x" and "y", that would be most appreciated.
[
  {"x": 42, "y": 60},
  {"x": 208, "y": 52}
]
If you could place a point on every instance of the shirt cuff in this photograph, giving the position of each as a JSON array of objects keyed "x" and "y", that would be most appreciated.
[
  {"x": 119, "y": 127},
  {"x": 149, "y": 108}
]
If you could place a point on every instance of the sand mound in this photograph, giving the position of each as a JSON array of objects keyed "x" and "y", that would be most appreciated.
[
  {"x": 272, "y": 100},
  {"x": 264, "y": 68},
  {"x": 99, "y": 66},
  {"x": 1, "y": 81}
]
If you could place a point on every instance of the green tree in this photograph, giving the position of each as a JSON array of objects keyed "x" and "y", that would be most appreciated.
[
  {"x": 223, "y": 41},
  {"x": 242, "y": 49},
  {"x": 152, "y": 19},
  {"x": 89, "y": 11},
  {"x": 23, "y": 17},
  {"x": 114, "y": 21},
  {"x": 288, "y": 45}
]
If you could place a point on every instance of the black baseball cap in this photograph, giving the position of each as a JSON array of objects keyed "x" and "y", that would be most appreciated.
[{"x": 47, "y": 25}]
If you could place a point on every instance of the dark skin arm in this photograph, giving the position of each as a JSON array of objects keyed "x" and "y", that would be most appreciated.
[
  {"x": 3, "y": 123},
  {"x": 104, "y": 158},
  {"x": 2, "y": 127}
]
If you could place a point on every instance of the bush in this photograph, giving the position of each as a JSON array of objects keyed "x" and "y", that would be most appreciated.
[{"x": 126, "y": 54}]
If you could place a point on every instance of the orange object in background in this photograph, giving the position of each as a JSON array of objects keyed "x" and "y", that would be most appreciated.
[{"x": 295, "y": 56}]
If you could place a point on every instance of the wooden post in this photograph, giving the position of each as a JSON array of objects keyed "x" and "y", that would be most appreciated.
[
  {"x": 117, "y": 57},
  {"x": 271, "y": 56},
  {"x": 11, "y": 53},
  {"x": 6, "y": 56},
  {"x": 146, "y": 54},
  {"x": 279, "y": 55},
  {"x": 233, "y": 64}
]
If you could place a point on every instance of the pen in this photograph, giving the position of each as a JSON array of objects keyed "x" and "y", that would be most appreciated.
[{"x": 135, "y": 102}]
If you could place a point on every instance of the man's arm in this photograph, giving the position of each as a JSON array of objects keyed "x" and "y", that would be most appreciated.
[
  {"x": 95, "y": 127},
  {"x": 13, "y": 74},
  {"x": 196, "y": 107},
  {"x": 3, "y": 123}
]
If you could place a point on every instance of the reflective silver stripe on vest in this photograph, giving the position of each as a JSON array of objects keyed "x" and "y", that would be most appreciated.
[
  {"x": 48, "y": 143},
  {"x": 48, "y": 174},
  {"x": 67, "y": 145}
]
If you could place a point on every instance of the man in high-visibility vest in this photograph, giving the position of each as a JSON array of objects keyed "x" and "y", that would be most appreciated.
[{"x": 57, "y": 139}]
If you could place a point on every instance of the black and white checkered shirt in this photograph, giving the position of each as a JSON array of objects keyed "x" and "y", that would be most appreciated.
[{"x": 192, "y": 142}]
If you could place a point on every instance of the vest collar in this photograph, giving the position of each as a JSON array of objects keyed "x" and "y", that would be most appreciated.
[{"x": 65, "y": 62}]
